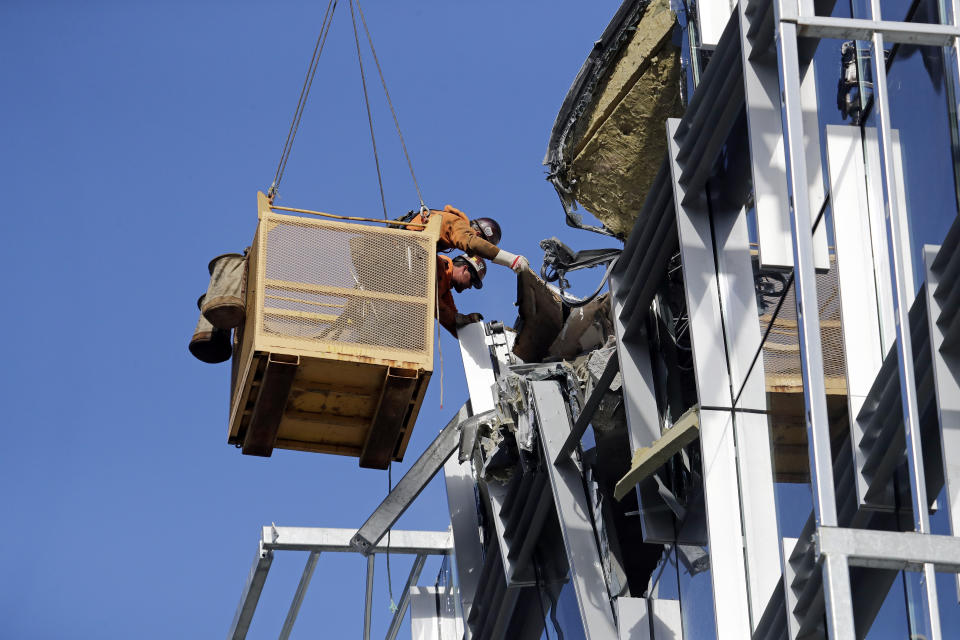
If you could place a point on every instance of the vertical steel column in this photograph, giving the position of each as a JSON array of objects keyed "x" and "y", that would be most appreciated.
[
  {"x": 839, "y": 602},
  {"x": 811, "y": 351},
  {"x": 573, "y": 509},
  {"x": 836, "y": 577},
  {"x": 717, "y": 431},
  {"x": 751, "y": 427},
  {"x": 461, "y": 501},
  {"x": 368, "y": 601},
  {"x": 767, "y": 156},
  {"x": 902, "y": 295}
]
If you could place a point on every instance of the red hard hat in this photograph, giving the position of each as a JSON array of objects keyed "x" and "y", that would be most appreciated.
[{"x": 488, "y": 228}]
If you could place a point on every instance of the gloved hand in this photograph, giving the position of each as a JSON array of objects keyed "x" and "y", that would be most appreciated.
[
  {"x": 515, "y": 262},
  {"x": 463, "y": 320},
  {"x": 520, "y": 264}
]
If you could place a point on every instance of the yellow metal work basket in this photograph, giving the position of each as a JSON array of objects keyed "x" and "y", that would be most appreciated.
[{"x": 336, "y": 349}]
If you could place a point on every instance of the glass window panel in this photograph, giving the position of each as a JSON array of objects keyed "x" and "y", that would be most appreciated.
[
  {"x": 920, "y": 118},
  {"x": 891, "y": 620},
  {"x": 947, "y": 601},
  {"x": 696, "y": 604},
  {"x": 918, "y": 611}
]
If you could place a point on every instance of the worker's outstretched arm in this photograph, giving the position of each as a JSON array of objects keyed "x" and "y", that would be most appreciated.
[
  {"x": 456, "y": 233},
  {"x": 515, "y": 262}
]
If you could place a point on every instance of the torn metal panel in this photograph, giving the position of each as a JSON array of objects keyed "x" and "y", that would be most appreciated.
[
  {"x": 540, "y": 317},
  {"x": 549, "y": 331}
]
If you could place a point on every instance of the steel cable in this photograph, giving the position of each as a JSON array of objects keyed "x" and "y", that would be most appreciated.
[
  {"x": 393, "y": 112},
  {"x": 304, "y": 94},
  {"x": 366, "y": 101}
]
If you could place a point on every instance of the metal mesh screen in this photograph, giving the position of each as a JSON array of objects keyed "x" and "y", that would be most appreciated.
[
  {"x": 781, "y": 351},
  {"x": 345, "y": 283}
]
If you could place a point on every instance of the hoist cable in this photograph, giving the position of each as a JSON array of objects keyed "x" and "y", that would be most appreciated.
[
  {"x": 304, "y": 93},
  {"x": 366, "y": 101},
  {"x": 393, "y": 111}
]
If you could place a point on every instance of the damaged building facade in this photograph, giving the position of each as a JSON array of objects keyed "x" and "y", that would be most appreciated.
[{"x": 752, "y": 428}]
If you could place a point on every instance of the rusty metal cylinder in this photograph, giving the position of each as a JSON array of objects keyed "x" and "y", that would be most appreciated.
[
  {"x": 209, "y": 344},
  {"x": 224, "y": 306}
]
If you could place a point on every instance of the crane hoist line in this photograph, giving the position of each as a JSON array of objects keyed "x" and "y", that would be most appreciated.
[{"x": 305, "y": 93}]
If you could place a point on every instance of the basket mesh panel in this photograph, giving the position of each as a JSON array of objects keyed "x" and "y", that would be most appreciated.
[
  {"x": 358, "y": 284},
  {"x": 781, "y": 351}
]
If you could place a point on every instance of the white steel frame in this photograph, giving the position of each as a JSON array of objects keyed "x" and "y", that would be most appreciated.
[
  {"x": 317, "y": 540},
  {"x": 792, "y": 22}
]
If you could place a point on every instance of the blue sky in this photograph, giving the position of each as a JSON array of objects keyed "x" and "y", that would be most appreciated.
[{"x": 135, "y": 136}]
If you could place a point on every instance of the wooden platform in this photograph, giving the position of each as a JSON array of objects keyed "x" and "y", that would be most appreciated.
[{"x": 342, "y": 377}]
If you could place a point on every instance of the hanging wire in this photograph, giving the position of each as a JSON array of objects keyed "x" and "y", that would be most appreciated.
[
  {"x": 393, "y": 605},
  {"x": 366, "y": 101},
  {"x": 393, "y": 112},
  {"x": 304, "y": 93}
]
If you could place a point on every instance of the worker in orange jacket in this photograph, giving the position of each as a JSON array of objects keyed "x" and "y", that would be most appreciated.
[
  {"x": 463, "y": 272},
  {"x": 478, "y": 238}
]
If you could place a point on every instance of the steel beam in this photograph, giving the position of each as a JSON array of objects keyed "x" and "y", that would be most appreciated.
[
  {"x": 465, "y": 522},
  {"x": 251, "y": 594},
  {"x": 586, "y": 569},
  {"x": 298, "y": 596},
  {"x": 900, "y": 550},
  {"x": 432, "y": 543},
  {"x": 767, "y": 156},
  {"x": 401, "y": 611},
  {"x": 590, "y": 407},
  {"x": 839, "y": 597},
  {"x": 414, "y": 481},
  {"x": 368, "y": 600},
  {"x": 477, "y": 366},
  {"x": 897, "y": 234},
  {"x": 811, "y": 352},
  {"x": 917, "y": 33},
  {"x": 717, "y": 435}
]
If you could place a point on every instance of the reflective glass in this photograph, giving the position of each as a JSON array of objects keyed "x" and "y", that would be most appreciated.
[
  {"x": 918, "y": 610},
  {"x": 891, "y": 620},
  {"x": 696, "y": 604},
  {"x": 947, "y": 599},
  {"x": 924, "y": 143}
]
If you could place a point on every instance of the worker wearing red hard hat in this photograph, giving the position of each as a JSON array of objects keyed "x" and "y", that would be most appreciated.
[
  {"x": 463, "y": 272},
  {"x": 478, "y": 237}
]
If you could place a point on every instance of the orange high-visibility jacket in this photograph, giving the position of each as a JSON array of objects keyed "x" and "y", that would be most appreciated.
[
  {"x": 446, "y": 307},
  {"x": 456, "y": 233}
]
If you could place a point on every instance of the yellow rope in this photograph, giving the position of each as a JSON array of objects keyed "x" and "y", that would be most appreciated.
[{"x": 396, "y": 223}]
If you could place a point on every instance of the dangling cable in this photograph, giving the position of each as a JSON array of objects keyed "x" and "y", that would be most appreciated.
[
  {"x": 304, "y": 93},
  {"x": 393, "y": 112},
  {"x": 393, "y": 605},
  {"x": 366, "y": 100}
]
